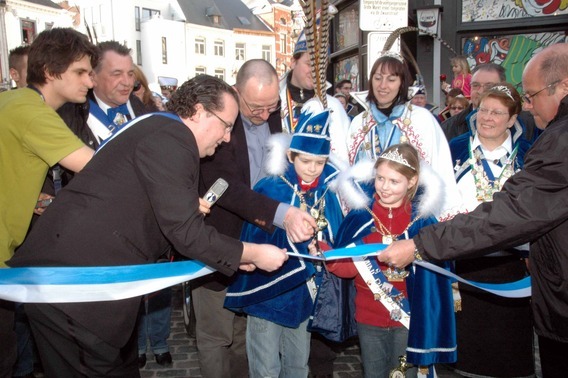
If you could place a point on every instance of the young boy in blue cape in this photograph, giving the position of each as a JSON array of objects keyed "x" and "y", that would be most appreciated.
[{"x": 278, "y": 304}]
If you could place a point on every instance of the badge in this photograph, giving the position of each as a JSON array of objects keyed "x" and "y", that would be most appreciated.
[{"x": 387, "y": 239}]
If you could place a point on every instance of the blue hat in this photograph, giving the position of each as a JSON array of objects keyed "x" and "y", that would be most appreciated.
[
  {"x": 311, "y": 135},
  {"x": 301, "y": 44}
]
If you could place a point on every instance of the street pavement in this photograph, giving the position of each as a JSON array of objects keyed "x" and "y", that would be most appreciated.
[{"x": 186, "y": 363}]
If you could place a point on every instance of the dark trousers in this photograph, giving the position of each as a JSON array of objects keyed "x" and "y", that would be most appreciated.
[
  {"x": 553, "y": 357},
  {"x": 7, "y": 339},
  {"x": 67, "y": 349}
]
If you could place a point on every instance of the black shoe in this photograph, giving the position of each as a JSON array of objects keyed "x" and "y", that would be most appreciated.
[
  {"x": 141, "y": 361},
  {"x": 164, "y": 358}
]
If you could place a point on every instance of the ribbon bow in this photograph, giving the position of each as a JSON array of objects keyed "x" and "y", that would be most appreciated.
[{"x": 112, "y": 112}]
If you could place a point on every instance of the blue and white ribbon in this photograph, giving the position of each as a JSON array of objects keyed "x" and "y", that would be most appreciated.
[
  {"x": 93, "y": 284},
  {"x": 109, "y": 283}
]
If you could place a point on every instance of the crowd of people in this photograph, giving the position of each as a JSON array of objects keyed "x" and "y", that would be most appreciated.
[{"x": 478, "y": 189}]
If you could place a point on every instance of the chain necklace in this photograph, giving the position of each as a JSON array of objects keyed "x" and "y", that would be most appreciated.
[
  {"x": 486, "y": 186},
  {"x": 317, "y": 212},
  {"x": 392, "y": 274}
]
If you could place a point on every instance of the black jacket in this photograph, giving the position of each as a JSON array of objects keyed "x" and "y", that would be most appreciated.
[
  {"x": 136, "y": 199},
  {"x": 532, "y": 207},
  {"x": 239, "y": 203}
]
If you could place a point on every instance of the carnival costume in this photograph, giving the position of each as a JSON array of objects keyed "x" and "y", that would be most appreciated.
[
  {"x": 372, "y": 132},
  {"x": 489, "y": 329},
  {"x": 283, "y": 297},
  {"x": 431, "y": 326}
]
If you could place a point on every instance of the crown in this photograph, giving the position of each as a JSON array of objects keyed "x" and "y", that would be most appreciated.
[
  {"x": 391, "y": 54},
  {"x": 397, "y": 158},
  {"x": 504, "y": 89}
]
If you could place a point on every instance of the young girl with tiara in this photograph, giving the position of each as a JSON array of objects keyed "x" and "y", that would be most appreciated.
[
  {"x": 405, "y": 197},
  {"x": 278, "y": 304},
  {"x": 462, "y": 76}
]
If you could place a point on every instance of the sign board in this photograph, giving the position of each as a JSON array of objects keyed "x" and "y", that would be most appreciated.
[
  {"x": 383, "y": 15},
  {"x": 375, "y": 43}
]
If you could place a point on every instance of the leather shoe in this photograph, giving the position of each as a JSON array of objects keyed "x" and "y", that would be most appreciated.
[
  {"x": 141, "y": 361},
  {"x": 164, "y": 358}
]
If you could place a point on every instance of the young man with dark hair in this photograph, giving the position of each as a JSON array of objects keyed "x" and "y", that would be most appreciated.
[
  {"x": 33, "y": 138},
  {"x": 18, "y": 64}
]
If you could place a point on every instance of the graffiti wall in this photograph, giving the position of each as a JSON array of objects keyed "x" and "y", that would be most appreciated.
[
  {"x": 512, "y": 52},
  {"x": 498, "y": 10}
]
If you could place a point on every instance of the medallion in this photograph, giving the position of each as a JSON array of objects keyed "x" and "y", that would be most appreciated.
[
  {"x": 395, "y": 274},
  {"x": 387, "y": 239},
  {"x": 400, "y": 371}
]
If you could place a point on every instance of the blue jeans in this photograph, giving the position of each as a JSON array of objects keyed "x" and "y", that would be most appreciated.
[
  {"x": 380, "y": 349},
  {"x": 276, "y": 351},
  {"x": 154, "y": 321}
]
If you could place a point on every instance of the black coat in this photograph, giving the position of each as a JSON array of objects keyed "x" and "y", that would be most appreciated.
[
  {"x": 136, "y": 199},
  {"x": 532, "y": 207},
  {"x": 239, "y": 203}
]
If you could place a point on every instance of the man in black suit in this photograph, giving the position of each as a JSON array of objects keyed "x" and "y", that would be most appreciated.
[
  {"x": 137, "y": 198},
  {"x": 220, "y": 334}
]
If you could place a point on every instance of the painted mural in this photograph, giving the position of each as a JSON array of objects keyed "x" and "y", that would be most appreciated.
[
  {"x": 348, "y": 69},
  {"x": 496, "y": 10},
  {"x": 512, "y": 52}
]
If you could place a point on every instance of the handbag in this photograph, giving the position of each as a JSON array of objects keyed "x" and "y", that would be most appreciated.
[{"x": 333, "y": 315}]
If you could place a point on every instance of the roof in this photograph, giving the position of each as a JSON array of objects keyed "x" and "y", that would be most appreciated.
[
  {"x": 45, "y": 3},
  {"x": 234, "y": 14}
]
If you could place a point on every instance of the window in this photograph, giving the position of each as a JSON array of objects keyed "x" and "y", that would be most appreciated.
[
  {"x": 283, "y": 44},
  {"x": 200, "y": 71},
  {"x": 147, "y": 13},
  {"x": 267, "y": 53},
  {"x": 48, "y": 25},
  {"x": 164, "y": 51},
  {"x": 139, "y": 52},
  {"x": 282, "y": 21},
  {"x": 219, "y": 47},
  {"x": 240, "y": 51},
  {"x": 220, "y": 73},
  {"x": 200, "y": 45},
  {"x": 28, "y": 31},
  {"x": 137, "y": 18}
]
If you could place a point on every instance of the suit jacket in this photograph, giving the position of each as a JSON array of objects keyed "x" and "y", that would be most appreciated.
[
  {"x": 240, "y": 202},
  {"x": 137, "y": 198}
]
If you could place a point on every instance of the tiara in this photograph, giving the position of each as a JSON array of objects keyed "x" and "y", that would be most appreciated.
[
  {"x": 391, "y": 54},
  {"x": 397, "y": 158},
  {"x": 504, "y": 89}
]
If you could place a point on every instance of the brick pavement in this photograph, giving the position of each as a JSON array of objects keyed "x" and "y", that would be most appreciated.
[{"x": 185, "y": 361}]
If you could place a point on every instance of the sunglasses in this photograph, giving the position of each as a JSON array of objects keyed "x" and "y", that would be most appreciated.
[{"x": 137, "y": 86}]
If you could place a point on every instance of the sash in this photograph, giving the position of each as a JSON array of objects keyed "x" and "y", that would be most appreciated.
[{"x": 393, "y": 300}]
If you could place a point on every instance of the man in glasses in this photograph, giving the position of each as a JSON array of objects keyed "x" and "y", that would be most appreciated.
[
  {"x": 484, "y": 77},
  {"x": 220, "y": 334},
  {"x": 531, "y": 208},
  {"x": 137, "y": 198}
]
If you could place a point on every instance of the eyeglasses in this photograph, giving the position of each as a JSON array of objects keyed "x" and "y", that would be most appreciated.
[
  {"x": 228, "y": 126},
  {"x": 137, "y": 86},
  {"x": 527, "y": 97},
  {"x": 492, "y": 113},
  {"x": 259, "y": 111},
  {"x": 487, "y": 86},
  {"x": 457, "y": 108}
]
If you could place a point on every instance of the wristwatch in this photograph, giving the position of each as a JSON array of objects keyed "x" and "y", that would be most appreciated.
[{"x": 417, "y": 255}]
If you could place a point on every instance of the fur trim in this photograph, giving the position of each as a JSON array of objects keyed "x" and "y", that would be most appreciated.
[
  {"x": 276, "y": 157},
  {"x": 347, "y": 186},
  {"x": 431, "y": 200}
]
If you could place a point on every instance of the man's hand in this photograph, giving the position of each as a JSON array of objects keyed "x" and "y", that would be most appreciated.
[
  {"x": 263, "y": 256},
  {"x": 43, "y": 202},
  {"x": 204, "y": 207},
  {"x": 399, "y": 254},
  {"x": 299, "y": 225}
]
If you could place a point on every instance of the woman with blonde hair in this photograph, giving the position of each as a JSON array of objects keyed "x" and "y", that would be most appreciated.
[{"x": 143, "y": 91}]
